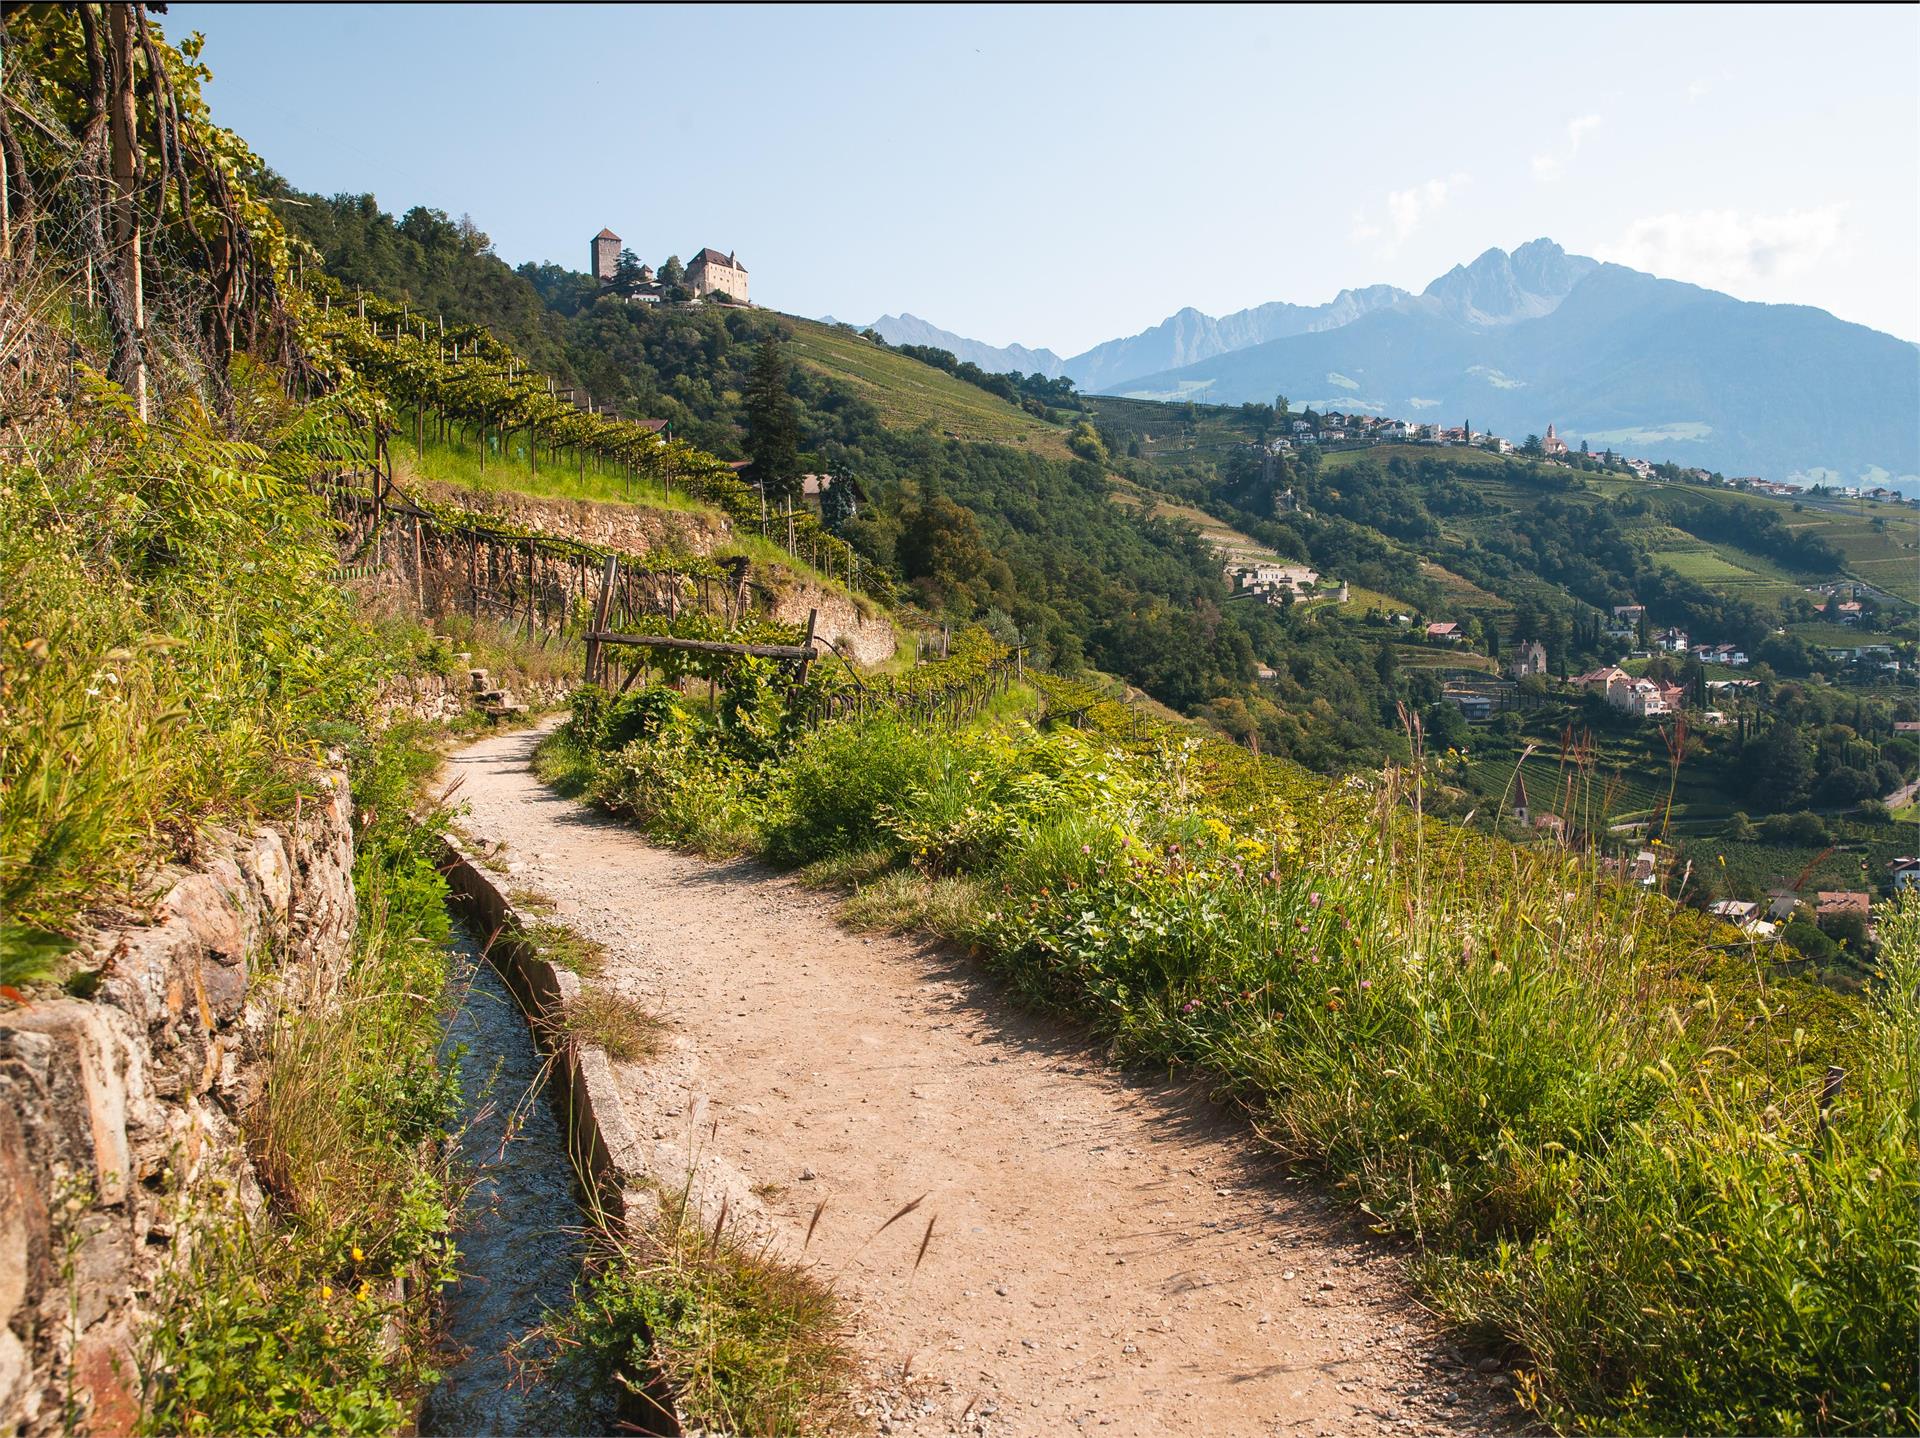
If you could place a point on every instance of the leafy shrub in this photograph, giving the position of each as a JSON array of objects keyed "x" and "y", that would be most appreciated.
[
  {"x": 836, "y": 782},
  {"x": 1800, "y": 828},
  {"x": 169, "y": 637}
]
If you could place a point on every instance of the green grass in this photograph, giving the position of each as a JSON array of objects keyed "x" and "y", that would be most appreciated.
[
  {"x": 457, "y": 462},
  {"x": 621, "y": 1026},
  {"x": 1567, "y": 1090},
  {"x": 317, "y": 1313},
  {"x": 744, "y": 1340},
  {"x": 910, "y": 395}
]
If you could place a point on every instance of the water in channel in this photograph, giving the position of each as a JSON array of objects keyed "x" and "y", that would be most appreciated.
[{"x": 520, "y": 1241}]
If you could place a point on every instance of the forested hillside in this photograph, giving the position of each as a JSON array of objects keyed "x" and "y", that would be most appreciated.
[
  {"x": 989, "y": 498},
  {"x": 1015, "y": 529}
]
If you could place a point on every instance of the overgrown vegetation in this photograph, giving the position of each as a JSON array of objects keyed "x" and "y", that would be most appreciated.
[
  {"x": 174, "y": 656},
  {"x": 310, "y": 1315},
  {"x": 1597, "y": 1115},
  {"x": 145, "y": 687},
  {"x": 745, "y": 1341}
]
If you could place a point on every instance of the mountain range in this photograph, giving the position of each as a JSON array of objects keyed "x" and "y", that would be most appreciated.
[{"x": 1516, "y": 341}]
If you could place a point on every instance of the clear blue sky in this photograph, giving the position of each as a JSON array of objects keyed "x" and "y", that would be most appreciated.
[{"x": 1060, "y": 176}]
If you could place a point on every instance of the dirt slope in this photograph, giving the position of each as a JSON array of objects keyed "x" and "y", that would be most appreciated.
[{"x": 1108, "y": 1252}]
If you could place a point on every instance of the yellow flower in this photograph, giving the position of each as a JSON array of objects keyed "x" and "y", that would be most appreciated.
[
  {"x": 1656, "y": 843},
  {"x": 1723, "y": 861},
  {"x": 357, "y": 1254},
  {"x": 366, "y": 1290},
  {"x": 326, "y": 1291}
]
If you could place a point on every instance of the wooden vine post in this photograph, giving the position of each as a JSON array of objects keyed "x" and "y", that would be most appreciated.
[
  {"x": 529, "y": 589},
  {"x": 800, "y": 678},
  {"x": 601, "y": 605}
]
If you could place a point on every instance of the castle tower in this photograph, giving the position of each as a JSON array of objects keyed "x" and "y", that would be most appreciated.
[{"x": 605, "y": 250}]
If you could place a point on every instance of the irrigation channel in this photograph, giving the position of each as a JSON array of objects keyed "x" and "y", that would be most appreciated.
[{"x": 521, "y": 1238}]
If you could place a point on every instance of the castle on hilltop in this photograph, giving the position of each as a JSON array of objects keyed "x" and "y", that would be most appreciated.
[{"x": 709, "y": 273}]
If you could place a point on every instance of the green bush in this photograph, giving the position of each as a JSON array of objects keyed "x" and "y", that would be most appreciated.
[
  {"x": 837, "y": 781},
  {"x": 1800, "y": 828}
]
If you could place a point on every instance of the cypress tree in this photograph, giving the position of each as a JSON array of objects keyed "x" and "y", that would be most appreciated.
[{"x": 773, "y": 432}]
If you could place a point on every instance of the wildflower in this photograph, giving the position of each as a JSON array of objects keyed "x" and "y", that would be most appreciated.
[
  {"x": 1313, "y": 899},
  {"x": 1366, "y": 983},
  {"x": 1189, "y": 1006},
  {"x": 358, "y": 1256},
  {"x": 1723, "y": 861},
  {"x": 326, "y": 1292},
  {"x": 366, "y": 1290}
]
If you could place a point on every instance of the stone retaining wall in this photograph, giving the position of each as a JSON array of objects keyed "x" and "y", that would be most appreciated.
[
  {"x": 630, "y": 528},
  {"x": 120, "y": 1113},
  {"x": 443, "y": 698}
]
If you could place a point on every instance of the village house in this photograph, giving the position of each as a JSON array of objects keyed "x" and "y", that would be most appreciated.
[
  {"x": 1601, "y": 679},
  {"x": 1642, "y": 698},
  {"x": 1745, "y": 915},
  {"x": 1904, "y": 874},
  {"x": 1625, "y": 623},
  {"x": 1728, "y": 654},
  {"x": 1531, "y": 659},
  {"x": 712, "y": 273},
  {"x": 1671, "y": 641},
  {"x": 1445, "y": 634},
  {"x": 1836, "y": 903}
]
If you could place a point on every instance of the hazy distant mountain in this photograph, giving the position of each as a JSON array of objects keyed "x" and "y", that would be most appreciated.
[
  {"x": 1499, "y": 288},
  {"x": 1189, "y": 336},
  {"x": 1621, "y": 359},
  {"x": 905, "y": 329}
]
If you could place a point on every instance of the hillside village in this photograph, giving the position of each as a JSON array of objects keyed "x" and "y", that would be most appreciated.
[{"x": 1334, "y": 430}]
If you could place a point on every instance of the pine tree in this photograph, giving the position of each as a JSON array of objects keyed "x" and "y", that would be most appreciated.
[{"x": 773, "y": 432}]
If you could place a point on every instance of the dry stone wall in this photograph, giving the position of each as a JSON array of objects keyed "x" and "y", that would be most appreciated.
[
  {"x": 451, "y": 576},
  {"x": 862, "y": 638},
  {"x": 629, "y": 528},
  {"x": 120, "y": 1113}
]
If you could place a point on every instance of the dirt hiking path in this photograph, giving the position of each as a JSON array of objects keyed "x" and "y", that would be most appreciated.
[{"x": 1109, "y": 1252}]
